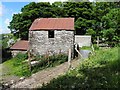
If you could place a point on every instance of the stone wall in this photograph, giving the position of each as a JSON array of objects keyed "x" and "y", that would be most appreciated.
[
  {"x": 40, "y": 44},
  {"x": 83, "y": 40},
  {"x": 15, "y": 52}
]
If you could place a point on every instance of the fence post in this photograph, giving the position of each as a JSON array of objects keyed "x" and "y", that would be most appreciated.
[
  {"x": 98, "y": 41},
  {"x": 92, "y": 47},
  {"x": 69, "y": 58},
  {"x": 78, "y": 51},
  {"x": 29, "y": 60}
]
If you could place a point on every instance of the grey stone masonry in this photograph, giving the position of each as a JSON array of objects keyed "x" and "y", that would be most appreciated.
[
  {"x": 41, "y": 44},
  {"x": 15, "y": 52}
]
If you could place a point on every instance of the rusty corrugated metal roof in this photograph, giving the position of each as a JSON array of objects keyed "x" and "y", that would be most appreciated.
[
  {"x": 20, "y": 45},
  {"x": 53, "y": 24}
]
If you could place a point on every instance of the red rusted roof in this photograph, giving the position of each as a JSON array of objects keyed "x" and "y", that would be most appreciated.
[
  {"x": 20, "y": 45},
  {"x": 53, "y": 24}
]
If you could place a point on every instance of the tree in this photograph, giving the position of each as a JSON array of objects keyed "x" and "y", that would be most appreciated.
[
  {"x": 110, "y": 23},
  {"x": 21, "y": 22},
  {"x": 82, "y": 12}
]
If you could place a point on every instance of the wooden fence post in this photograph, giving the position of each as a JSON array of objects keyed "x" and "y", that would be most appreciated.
[
  {"x": 98, "y": 41},
  {"x": 78, "y": 51},
  {"x": 69, "y": 58},
  {"x": 92, "y": 47},
  {"x": 29, "y": 60}
]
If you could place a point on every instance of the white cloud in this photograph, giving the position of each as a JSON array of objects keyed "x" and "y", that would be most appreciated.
[
  {"x": 1, "y": 30},
  {"x": 7, "y": 21},
  {"x": 4, "y": 31},
  {"x": 1, "y": 9}
]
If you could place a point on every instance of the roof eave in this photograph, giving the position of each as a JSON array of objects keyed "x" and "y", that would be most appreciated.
[{"x": 51, "y": 29}]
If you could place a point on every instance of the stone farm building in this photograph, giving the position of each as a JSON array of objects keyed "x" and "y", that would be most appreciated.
[
  {"x": 51, "y": 36},
  {"x": 20, "y": 46}
]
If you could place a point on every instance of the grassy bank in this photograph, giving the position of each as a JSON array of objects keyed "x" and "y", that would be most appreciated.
[
  {"x": 15, "y": 66},
  {"x": 18, "y": 65},
  {"x": 99, "y": 71}
]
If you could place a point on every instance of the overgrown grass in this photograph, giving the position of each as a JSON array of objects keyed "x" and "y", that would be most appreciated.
[
  {"x": 100, "y": 71},
  {"x": 50, "y": 61}
]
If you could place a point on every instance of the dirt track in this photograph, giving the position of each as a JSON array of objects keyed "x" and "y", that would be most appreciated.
[{"x": 45, "y": 76}]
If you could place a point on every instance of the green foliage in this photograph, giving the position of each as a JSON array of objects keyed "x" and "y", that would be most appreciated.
[
  {"x": 96, "y": 47},
  {"x": 50, "y": 61},
  {"x": 6, "y": 40},
  {"x": 99, "y": 71},
  {"x": 19, "y": 58},
  {"x": 111, "y": 26},
  {"x": 90, "y": 32}
]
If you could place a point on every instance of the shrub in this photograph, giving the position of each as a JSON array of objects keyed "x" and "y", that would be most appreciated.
[
  {"x": 19, "y": 58},
  {"x": 49, "y": 61}
]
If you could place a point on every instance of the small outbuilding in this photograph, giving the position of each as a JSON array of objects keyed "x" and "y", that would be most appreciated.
[
  {"x": 19, "y": 47},
  {"x": 51, "y": 36}
]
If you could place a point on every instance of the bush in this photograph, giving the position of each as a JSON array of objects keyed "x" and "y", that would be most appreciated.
[
  {"x": 50, "y": 61},
  {"x": 19, "y": 58}
]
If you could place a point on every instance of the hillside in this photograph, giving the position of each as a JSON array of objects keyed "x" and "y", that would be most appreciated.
[{"x": 101, "y": 70}]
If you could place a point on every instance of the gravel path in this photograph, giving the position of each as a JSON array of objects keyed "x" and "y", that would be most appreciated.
[{"x": 45, "y": 76}]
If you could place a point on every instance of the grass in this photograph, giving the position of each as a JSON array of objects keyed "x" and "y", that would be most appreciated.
[
  {"x": 19, "y": 67},
  {"x": 16, "y": 67},
  {"x": 100, "y": 71},
  {"x": 86, "y": 48}
]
